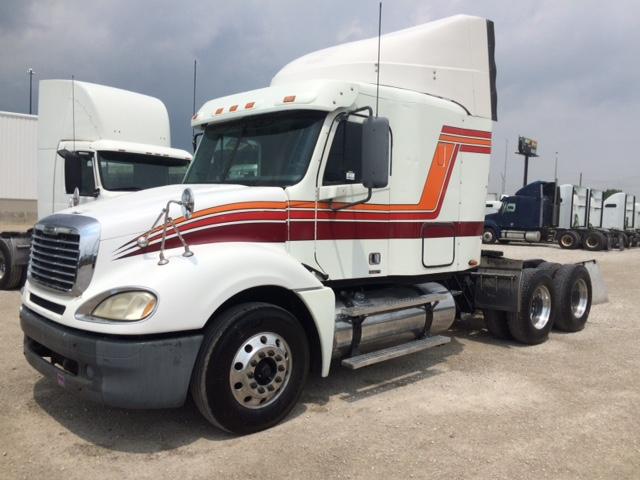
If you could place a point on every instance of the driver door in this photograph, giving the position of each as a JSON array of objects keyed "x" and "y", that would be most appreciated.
[{"x": 351, "y": 242}]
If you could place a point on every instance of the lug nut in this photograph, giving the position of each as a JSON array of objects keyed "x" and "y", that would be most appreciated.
[
  {"x": 271, "y": 353},
  {"x": 278, "y": 358},
  {"x": 253, "y": 384},
  {"x": 281, "y": 368},
  {"x": 270, "y": 388},
  {"x": 261, "y": 390},
  {"x": 250, "y": 374},
  {"x": 253, "y": 363},
  {"x": 278, "y": 379},
  {"x": 261, "y": 355}
]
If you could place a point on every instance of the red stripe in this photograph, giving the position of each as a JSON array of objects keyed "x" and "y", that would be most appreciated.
[
  {"x": 466, "y": 131},
  {"x": 245, "y": 232},
  {"x": 475, "y": 149},
  {"x": 382, "y": 230}
]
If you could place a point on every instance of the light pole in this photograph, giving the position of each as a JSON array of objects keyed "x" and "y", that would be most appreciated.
[{"x": 30, "y": 72}]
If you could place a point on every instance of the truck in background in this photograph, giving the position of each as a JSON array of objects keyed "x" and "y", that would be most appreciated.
[
  {"x": 327, "y": 216},
  {"x": 541, "y": 212},
  {"x": 94, "y": 142},
  {"x": 620, "y": 218}
]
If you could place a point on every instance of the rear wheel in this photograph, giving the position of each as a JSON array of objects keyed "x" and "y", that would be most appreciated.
[
  {"x": 251, "y": 367},
  {"x": 571, "y": 297},
  {"x": 497, "y": 324},
  {"x": 489, "y": 235},
  {"x": 569, "y": 240},
  {"x": 595, "y": 241},
  {"x": 531, "y": 325}
]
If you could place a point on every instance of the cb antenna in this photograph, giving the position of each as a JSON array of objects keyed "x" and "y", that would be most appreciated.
[
  {"x": 73, "y": 111},
  {"x": 195, "y": 76},
  {"x": 378, "y": 69}
]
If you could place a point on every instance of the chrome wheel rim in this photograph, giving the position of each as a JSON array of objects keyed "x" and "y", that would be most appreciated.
[
  {"x": 540, "y": 307},
  {"x": 487, "y": 236},
  {"x": 579, "y": 298},
  {"x": 260, "y": 370},
  {"x": 567, "y": 240},
  {"x": 591, "y": 242}
]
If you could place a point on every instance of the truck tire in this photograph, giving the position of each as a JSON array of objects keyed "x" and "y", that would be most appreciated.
[
  {"x": 497, "y": 324},
  {"x": 531, "y": 325},
  {"x": 489, "y": 235},
  {"x": 569, "y": 240},
  {"x": 251, "y": 368},
  {"x": 10, "y": 274},
  {"x": 571, "y": 297},
  {"x": 550, "y": 267},
  {"x": 595, "y": 241}
]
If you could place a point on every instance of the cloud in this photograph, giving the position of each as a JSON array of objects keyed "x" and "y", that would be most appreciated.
[{"x": 567, "y": 71}]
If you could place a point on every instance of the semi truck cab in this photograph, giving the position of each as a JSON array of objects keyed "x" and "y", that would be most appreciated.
[{"x": 324, "y": 217}]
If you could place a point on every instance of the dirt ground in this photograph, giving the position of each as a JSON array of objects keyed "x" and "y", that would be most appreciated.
[{"x": 476, "y": 408}]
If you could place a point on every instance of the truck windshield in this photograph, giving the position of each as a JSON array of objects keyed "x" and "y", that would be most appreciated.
[
  {"x": 123, "y": 171},
  {"x": 273, "y": 149}
]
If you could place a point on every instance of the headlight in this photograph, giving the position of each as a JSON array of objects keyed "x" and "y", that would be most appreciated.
[{"x": 126, "y": 306}]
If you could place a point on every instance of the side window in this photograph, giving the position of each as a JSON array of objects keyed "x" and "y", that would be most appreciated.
[
  {"x": 510, "y": 207},
  {"x": 78, "y": 173},
  {"x": 344, "y": 164}
]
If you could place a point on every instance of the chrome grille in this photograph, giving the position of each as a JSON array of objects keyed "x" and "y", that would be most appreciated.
[
  {"x": 64, "y": 250},
  {"x": 54, "y": 258}
]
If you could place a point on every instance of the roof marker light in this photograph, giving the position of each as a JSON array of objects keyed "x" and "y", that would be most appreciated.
[
  {"x": 249, "y": 105},
  {"x": 219, "y": 111},
  {"x": 233, "y": 108},
  {"x": 289, "y": 99},
  {"x": 194, "y": 117}
]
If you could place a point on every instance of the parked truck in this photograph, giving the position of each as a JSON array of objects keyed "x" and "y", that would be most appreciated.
[
  {"x": 543, "y": 212},
  {"x": 620, "y": 218},
  {"x": 325, "y": 217},
  {"x": 94, "y": 142}
]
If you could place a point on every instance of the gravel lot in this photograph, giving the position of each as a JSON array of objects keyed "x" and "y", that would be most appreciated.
[{"x": 476, "y": 408}]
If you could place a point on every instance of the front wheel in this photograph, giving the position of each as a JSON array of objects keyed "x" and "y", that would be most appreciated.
[
  {"x": 489, "y": 235},
  {"x": 251, "y": 368}
]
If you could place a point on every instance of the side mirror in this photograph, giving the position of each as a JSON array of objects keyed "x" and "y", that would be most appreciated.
[
  {"x": 375, "y": 152},
  {"x": 72, "y": 170},
  {"x": 78, "y": 173}
]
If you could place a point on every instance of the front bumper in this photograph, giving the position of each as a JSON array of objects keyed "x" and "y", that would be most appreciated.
[{"x": 138, "y": 372}]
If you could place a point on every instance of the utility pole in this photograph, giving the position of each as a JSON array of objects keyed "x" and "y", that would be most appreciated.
[
  {"x": 30, "y": 72},
  {"x": 504, "y": 171},
  {"x": 580, "y": 183}
]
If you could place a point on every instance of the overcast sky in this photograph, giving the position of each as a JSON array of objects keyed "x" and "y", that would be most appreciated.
[{"x": 568, "y": 71}]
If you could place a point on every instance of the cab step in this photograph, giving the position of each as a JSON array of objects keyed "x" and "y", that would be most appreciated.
[{"x": 396, "y": 351}]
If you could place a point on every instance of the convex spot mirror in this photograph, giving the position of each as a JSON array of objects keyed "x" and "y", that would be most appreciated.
[{"x": 375, "y": 152}]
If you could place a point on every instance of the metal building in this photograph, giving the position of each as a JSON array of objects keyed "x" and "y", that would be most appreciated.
[{"x": 18, "y": 163}]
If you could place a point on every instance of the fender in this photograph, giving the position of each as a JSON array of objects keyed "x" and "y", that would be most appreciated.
[
  {"x": 214, "y": 274},
  {"x": 491, "y": 223}
]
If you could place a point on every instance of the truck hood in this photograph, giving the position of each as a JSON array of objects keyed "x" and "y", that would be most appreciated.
[{"x": 133, "y": 214}]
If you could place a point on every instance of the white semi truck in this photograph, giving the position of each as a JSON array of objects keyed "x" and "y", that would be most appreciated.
[
  {"x": 95, "y": 142},
  {"x": 323, "y": 217},
  {"x": 619, "y": 217}
]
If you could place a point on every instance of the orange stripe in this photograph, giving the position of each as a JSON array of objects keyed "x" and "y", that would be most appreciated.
[{"x": 467, "y": 140}]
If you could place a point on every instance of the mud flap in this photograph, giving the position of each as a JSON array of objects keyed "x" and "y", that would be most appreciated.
[{"x": 599, "y": 293}]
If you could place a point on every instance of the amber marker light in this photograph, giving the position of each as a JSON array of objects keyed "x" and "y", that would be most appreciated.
[
  {"x": 233, "y": 108},
  {"x": 289, "y": 99},
  {"x": 249, "y": 105}
]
